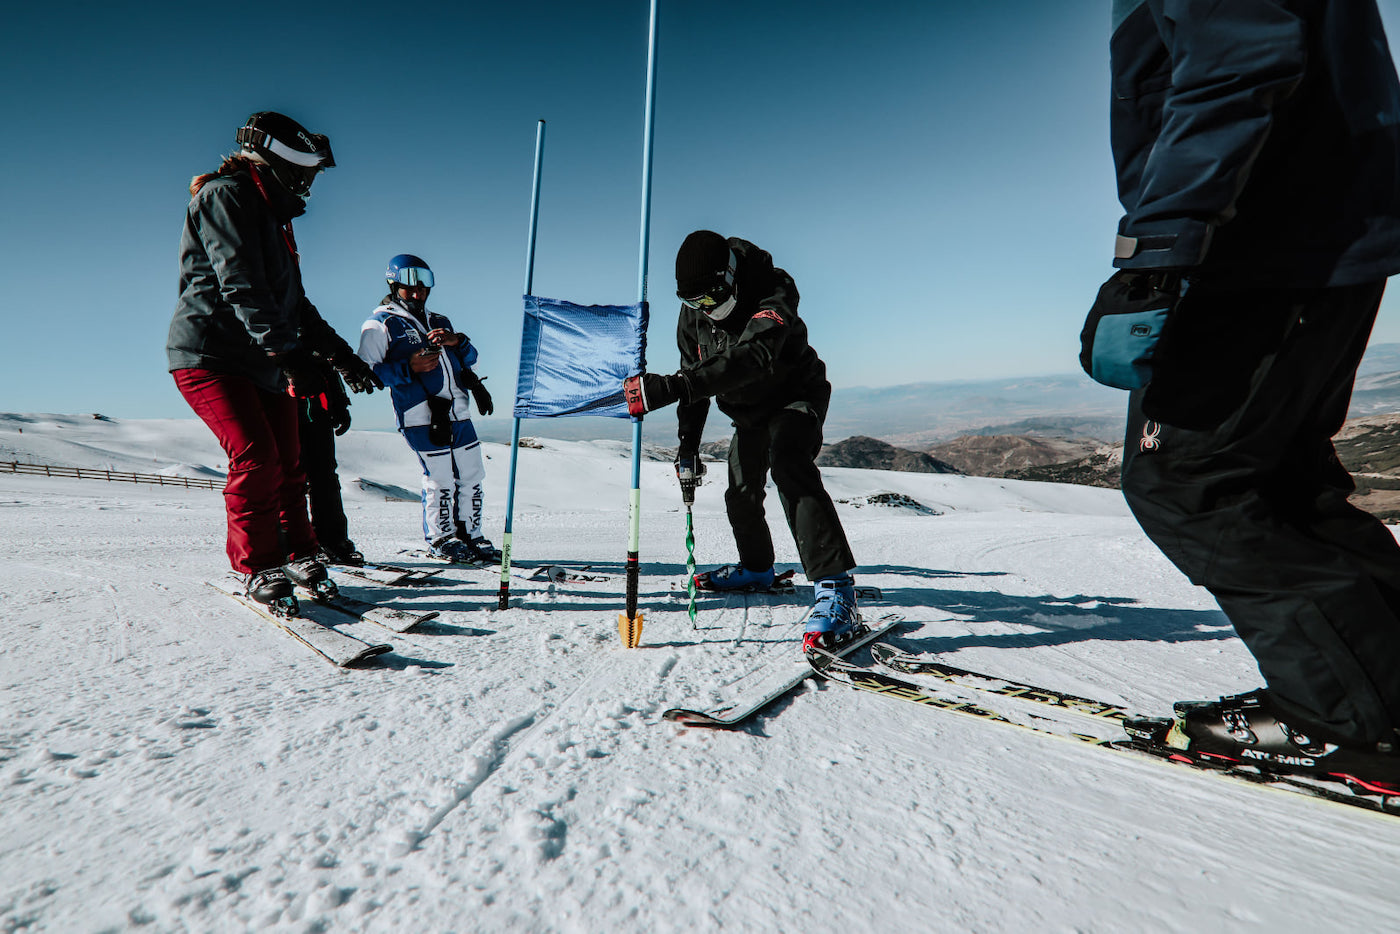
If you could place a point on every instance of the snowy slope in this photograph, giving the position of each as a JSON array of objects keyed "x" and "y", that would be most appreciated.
[{"x": 168, "y": 762}]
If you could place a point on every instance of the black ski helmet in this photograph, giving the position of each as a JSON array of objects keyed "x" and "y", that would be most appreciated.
[
  {"x": 292, "y": 153},
  {"x": 701, "y": 262},
  {"x": 705, "y": 271}
]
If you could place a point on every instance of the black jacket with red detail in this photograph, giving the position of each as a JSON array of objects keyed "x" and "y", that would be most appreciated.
[{"x": 754, "y": 362}]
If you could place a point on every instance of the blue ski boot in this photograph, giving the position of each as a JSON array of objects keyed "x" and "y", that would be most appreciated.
[
  {"x": 734, "y": 577},
  {"x": 834, "y": 620}
]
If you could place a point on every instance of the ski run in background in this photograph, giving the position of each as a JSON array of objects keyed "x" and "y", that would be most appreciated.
[{"x": 170, "y": 761}]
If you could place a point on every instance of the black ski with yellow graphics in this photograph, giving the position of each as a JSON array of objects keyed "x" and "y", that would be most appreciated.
[{"x": 1060, "y": 710}]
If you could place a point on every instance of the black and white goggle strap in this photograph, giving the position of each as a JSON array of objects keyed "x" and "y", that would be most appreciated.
[{"x": 255, "y": 138}]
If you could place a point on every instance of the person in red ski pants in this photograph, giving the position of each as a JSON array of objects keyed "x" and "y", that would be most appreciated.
[{"x": 245, "y": 343}]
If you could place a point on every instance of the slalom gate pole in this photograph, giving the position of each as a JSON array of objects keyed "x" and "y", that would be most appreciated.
[
  {"x": 504, "y": 599},
  {"x": 629, "y": 624},
  {"x": 690, "y": 556}
]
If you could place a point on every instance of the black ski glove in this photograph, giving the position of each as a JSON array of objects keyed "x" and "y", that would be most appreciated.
[
  {"x": 357, "y": 373},
  {"x": 339, "y": 412},
  {"x": 302, "y": 371},
  {"x": 1124, "y": 325},
  {"x": 650, "y": 391},
  {"x": 478, "y": 391}
]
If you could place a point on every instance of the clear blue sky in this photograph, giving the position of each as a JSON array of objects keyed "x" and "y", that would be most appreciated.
[{"x": 935, "y": 175}]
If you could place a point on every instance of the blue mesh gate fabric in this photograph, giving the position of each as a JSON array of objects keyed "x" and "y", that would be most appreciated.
[{"x": 573, "y": 358}]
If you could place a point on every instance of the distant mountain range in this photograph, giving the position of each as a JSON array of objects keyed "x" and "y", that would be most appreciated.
[
  {"x": 1061, "y": 429},
  {"x": 917, "y": 416},
  {"x": 871, "y": 452}
]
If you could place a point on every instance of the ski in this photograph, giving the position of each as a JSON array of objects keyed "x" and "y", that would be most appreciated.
[
  {"x": 335, "y": 647},
  {"x": 557, "y": 573},
  {"x": 390, "y": 575},
  {"x": 427, "y": 555},
  {"x": 902, "y": 663},
  {"x": 782, "y": 584},
  {"x": 398, "y": 620},
  {"x": 544, "y": 573},
  {"x": 1344, "y": 790},
  {"x": 786, "y": 673}
]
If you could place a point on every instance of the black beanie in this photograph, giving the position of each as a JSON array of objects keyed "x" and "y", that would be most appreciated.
[{"x": 701, "y": 261}]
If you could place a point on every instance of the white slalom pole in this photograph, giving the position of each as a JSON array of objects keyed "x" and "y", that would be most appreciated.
[
  {"x": 504, "y": 599},
  {"x": 629, "y": 624}
]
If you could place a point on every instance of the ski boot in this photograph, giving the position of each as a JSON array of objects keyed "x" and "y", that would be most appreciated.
[
  {"x": 344, "y": 554},
  {"x": 734, "y": 577},
  {"x": 1248, "y": 729},
  {"x": 483, "y": 551},
  {"x": 310, "y": 574},
  {"x": 454, "y": 552},
  {"x": 834, "y": 620},
  {"x": 273, "y": 590}
]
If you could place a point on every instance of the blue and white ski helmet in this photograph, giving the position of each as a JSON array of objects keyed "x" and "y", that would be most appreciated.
[{"x": 407, "y": 269}]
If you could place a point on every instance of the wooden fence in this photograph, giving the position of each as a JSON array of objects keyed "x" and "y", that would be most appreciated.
[{"x": 123, "y": 476}]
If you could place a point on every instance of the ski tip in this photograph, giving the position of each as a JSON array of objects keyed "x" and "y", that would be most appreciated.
[
  {"x": 696, "y": 718},
  {"x": 370, "y": 652}
]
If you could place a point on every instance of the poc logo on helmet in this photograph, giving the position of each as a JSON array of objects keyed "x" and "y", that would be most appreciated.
[{"x": 1141, "y": 330}]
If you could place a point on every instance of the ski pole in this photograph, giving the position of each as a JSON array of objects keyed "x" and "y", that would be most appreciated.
[{"x": 629, "y": 624}]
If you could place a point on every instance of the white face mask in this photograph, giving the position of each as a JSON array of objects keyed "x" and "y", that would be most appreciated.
[{"x": 720, "y": 312}]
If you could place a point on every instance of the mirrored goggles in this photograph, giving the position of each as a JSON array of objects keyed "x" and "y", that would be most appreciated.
[
  {"x": 712, "y": 297},
  {"x": 414, "y": 275}
]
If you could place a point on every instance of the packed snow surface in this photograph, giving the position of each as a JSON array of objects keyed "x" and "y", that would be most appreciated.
[{"x": 171, "y": 762}]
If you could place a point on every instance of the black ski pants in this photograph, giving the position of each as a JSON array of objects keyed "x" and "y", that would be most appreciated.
[
  {"x": 317, "y": 430},
  {"x": 1256, "y": 509},
  {"x": 785, "y": 444}
]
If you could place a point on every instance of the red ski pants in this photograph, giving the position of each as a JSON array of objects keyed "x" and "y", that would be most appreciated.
[{"x": 266, "y": 490}]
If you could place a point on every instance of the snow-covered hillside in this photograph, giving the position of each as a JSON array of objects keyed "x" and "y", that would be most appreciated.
[{"x": 170, "y": 762}]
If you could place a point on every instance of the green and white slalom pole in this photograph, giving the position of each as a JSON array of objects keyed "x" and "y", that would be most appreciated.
[
  {"x": 503, "y": 600},
  {"x": 688, "y": 497},
  {"x": 629, "y": 623}
]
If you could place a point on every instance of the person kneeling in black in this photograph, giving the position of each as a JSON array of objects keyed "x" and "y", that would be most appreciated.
[{"x": 742, "y": 342}]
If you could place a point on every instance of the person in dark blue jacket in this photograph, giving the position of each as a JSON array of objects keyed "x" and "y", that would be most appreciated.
[
  {"x": 1257, "y": 147},
  {"x": 427, "y": 365}
]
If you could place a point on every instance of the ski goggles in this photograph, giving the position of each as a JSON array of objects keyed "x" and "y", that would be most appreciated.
[
  {"x": 715, "y": 295},
  {"x": 711, "y": 298},
  {"x": 414, "y": 276},
  {"x": 320, "y": 157}
]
